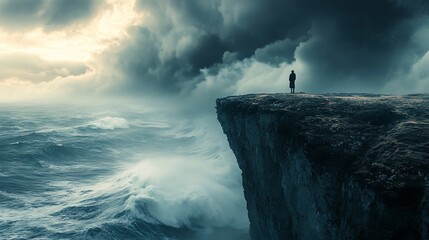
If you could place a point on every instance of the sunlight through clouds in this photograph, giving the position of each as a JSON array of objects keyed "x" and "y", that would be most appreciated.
[
  {"x": 77, "y": 42},
  {"x": 39, "y": 63}
]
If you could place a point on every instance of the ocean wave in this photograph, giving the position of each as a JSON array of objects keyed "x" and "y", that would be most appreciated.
[
  {"x": 109, "y": 123},
  {"x": 75, "y": 178},
  {"x": 198, "y": 198},
  {"x": 102, "y": 123}
]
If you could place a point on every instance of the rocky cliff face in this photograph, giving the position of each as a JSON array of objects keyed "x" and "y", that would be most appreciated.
[{"x": 332, "y": 166}]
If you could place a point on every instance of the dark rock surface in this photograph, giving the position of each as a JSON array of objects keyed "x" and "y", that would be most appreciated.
[{"x": 332, "y": 166}]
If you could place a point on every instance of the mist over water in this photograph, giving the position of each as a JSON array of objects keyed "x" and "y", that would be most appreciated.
[{"x": 116, "y": 172}]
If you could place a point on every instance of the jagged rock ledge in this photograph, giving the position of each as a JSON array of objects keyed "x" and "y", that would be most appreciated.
[{"x": 332, "y": 166}]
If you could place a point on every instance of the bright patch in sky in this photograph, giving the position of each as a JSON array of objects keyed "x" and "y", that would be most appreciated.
[{"x": 78, "y": 42}]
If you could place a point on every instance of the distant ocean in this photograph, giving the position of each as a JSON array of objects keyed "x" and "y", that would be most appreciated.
[{"x": 116, "y": 172}]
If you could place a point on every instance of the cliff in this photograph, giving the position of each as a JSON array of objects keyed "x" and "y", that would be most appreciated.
[{"x": 332, "y": 166}]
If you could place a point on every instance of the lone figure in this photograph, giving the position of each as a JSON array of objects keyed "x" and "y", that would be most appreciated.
[{"x": 292, "y": 78}]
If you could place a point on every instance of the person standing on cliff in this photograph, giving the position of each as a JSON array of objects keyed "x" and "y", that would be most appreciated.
[{"x": 292, "y": 78}]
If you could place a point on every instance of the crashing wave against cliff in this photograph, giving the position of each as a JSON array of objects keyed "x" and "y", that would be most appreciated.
[{"x": 332, "y": 166}]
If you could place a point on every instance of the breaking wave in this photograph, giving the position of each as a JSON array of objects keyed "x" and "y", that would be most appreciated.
[
  {"x": 109, "y": 123},
  {"x": 68, "y": 174}
]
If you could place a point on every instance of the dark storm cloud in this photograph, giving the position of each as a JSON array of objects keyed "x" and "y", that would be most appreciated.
[
  {"x": 16, "y": 15},
  {"x": 277, "y": 52},
  {"x": 359, "y": 41},
  {"x": 187, "y": 36},
  {"x": 341, "y": 41}
]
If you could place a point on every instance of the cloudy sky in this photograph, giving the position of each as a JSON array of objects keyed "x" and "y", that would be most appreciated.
[{"x": 206, "y": 49}]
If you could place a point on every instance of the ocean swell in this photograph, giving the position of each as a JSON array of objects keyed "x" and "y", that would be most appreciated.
[{"x": 116, "y": 175}]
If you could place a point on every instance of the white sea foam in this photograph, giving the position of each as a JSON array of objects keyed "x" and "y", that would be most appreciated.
[
  {"x": 183, "y": 191},
  {"x": 109, "y": 123},
  {"x": 193, "y": 186}
]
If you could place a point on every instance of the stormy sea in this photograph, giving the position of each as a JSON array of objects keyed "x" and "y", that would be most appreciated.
[{"x": 116, "y": 172}]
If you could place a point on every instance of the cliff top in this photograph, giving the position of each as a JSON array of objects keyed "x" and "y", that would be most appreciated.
[{"x": 383, "y": 141}]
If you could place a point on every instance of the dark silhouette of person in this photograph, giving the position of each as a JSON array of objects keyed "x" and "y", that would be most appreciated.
[{"x": 292, "y": 78}]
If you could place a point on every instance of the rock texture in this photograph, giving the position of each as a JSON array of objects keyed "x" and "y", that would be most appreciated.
[{"x": 332, "y": 166}]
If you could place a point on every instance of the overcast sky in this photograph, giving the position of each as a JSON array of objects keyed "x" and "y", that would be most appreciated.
[{"x": 211, "y": 48}]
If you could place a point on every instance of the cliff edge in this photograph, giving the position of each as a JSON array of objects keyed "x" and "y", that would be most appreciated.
[{"x": 332, "y": 166}]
